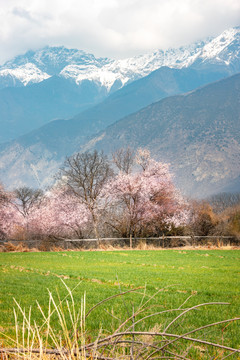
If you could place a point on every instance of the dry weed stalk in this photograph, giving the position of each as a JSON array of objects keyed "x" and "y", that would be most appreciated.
[{"x": 125, "y": 342}]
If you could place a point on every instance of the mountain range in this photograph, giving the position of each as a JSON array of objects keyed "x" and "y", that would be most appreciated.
[
  {"x": 32, "y": 67},
  {"x": 55, "y": 82},
  {"x": 106, "y": 92}
]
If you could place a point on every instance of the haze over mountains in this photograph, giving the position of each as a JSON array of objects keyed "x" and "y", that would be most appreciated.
[
  {"x": 23, "y": 109},
  {"x": 198, "y": 133}
]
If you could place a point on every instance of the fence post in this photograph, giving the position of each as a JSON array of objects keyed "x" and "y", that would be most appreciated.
[{"x": 193, "y": 240}]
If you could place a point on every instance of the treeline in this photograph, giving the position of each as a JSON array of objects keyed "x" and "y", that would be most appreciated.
[{"x": 133, "y": 195}]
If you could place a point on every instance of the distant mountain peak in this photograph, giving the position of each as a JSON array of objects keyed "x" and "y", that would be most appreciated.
[
  {"x": 220, "y": 43},
  {"x": 53, "y": 58}
]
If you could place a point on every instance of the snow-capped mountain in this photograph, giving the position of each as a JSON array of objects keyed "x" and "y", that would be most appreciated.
[
  {"x": 33, "y": 67},
  {"x": 53, "y": 59},
  {"x": 222, "y": 51},
  {"x": 121, "y": 72}
]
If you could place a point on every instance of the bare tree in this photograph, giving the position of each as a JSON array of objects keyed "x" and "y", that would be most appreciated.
[
  {"x": 143, "y": 158},
  {"x": 124, "y": 159},
  {"x": 4, "y": 196},
  {"x": 26, "y": 198},
  {"x": 4, "y": 201},
  {"x": 85, "y": 174}
]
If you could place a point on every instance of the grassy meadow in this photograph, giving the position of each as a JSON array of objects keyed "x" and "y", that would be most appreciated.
[{"x": 178, "y": 278}]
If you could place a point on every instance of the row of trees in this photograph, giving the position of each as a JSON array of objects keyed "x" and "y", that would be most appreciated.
[
  {"x": 89, "y": 198},
  {"x": 132, "y": 196}
]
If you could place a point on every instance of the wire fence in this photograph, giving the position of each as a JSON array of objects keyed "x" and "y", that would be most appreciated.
[
  {"x": 160, "y": 242},
  {"x": 132, "y": 242}
]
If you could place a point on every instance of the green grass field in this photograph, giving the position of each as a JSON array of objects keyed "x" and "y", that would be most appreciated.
[{"x": 207, "y": 275}]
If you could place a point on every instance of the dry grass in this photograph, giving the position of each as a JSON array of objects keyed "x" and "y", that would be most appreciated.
[
  {"x": 142, "y": 245},
  {"x": 73, "y": 341},
  {"x": 18, "y": 247},
  {"x": 23, "y": 247}
]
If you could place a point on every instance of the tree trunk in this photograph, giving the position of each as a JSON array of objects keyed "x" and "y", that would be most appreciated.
[
  {"x": 130, "y": 241},
  {"x": 95, "y": 229}
]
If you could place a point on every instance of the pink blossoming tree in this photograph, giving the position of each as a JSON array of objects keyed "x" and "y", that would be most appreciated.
[
  {"x": 59, "y": 215},
  {"x": 147, "y": 198}
]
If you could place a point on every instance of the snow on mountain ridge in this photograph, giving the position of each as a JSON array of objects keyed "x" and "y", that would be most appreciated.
[
  {"x": 218, "y": 44},
  {"x": 130, "y": 69},
  {"x": 54, "y": 57},
  {"x": 27, "y": 73},
  {"x": 79, "y": 65},
  {"x": 51, "y": 61},
  {"x": 103, "y": 75}
]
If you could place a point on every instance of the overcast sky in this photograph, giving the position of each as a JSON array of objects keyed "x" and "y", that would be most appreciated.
[{"x": 112, "y": 28}]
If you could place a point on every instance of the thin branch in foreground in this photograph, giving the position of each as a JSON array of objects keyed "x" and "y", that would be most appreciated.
[
  {"x": 192, "y": 308},
  {"x": 184, "y": 337},
  {"x": 204, "y": 327},
  {"x": 110, "y": 298}
]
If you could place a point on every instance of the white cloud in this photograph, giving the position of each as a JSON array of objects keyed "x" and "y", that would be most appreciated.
[{"x": 114, "y": 28}]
